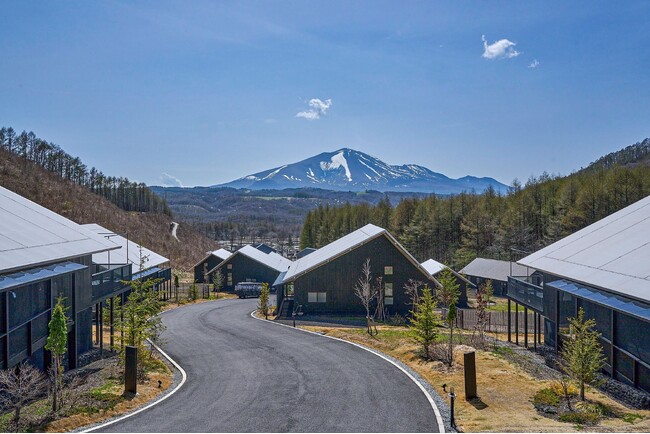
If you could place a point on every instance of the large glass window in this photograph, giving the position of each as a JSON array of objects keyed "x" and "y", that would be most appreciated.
[
  {"x": 600, "y": 314},
  {"x": 567, "y": 310},
  {"x": 388, "y": 289},
  {"x": 632, "y": 335},
  {"x": 317, "y": 297}
]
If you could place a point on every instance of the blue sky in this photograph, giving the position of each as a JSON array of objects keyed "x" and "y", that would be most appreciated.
[{"x": 210, "y": 91}]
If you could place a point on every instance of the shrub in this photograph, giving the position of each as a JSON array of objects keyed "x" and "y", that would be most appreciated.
[
  {"x": 556, "y": 387},
  {"x": 579, "y": 418},
  {"x": 546, "y": 396}
]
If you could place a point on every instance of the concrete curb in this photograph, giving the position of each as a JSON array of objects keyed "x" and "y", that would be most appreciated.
[{"x": 439, "y": 420}]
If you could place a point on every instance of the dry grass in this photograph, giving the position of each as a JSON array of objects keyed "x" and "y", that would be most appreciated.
[
  {"x": 146, "y": 392},
  {"x": 505, "y": 390}
]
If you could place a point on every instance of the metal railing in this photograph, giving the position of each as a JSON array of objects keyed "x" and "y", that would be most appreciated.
[
  {"x": 109, "y": 282},
  {"x": 526, "y": 293}
]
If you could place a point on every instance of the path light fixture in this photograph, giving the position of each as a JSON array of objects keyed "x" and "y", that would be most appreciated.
[{"x": 452, "y": 399}]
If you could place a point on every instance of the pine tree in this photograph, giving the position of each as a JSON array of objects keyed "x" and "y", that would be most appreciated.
[
  {"x": 582, "y": 355},
  {"x": 217, "y": 281},
  {"x": 425, "y": 322},
  {"x": 57, "y": 345},
  {"x": 263, "y": 305}
]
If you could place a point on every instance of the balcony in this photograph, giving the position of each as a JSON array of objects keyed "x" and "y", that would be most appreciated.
[
  {"x": 527, "y": 290},
  {"x": 108, "y": 283}
]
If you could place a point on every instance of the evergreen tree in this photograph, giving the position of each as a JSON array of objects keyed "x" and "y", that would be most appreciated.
[
  {"x": 582, "y": 355},
  {"x": 263, "y": 305},
  {"x": 57, "y": 345},
  {"x": 425, "y": 322}
]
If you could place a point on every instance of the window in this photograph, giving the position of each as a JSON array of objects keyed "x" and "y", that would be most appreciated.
[
  {"x": 229, "y": 266},
  {"x": 388, "y": 301},
  {"x": 388, "y": 270},
  {"x": 317, "y": 297},
  {"x": 388, "y": 289},
  {"x": 229, "y": 279}
]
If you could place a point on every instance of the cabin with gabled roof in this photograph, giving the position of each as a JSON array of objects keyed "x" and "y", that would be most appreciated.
[
  {"x": 323, "y": 281},
  {"x": 434, "y": 268},
  {"x": 211, "y": 260},
  {"x": 250, "y": 264}
]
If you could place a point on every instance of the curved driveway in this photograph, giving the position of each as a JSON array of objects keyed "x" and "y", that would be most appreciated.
[{"x": 246, "y": 375}]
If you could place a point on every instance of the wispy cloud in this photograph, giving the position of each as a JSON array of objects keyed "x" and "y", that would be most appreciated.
[
  {"x": 168, "y": 180},
  {"x": 534, "y": 64},
  {"x": 317, "y": 109},
  {"x": 501, "y": 49}
]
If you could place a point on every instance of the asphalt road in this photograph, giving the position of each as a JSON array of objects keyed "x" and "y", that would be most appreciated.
[{"x": 246, "y": 375}]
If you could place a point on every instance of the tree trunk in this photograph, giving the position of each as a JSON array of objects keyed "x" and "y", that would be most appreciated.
[
  {"x": 451, "y": 344},
  {"x": 582, "y": 391}
]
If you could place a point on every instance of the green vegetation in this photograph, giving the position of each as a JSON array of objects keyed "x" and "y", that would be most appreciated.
[
  {"x": 130, "y": 196},
  {"x": 546, "y": 396},
  {"x": 631, "y": 417},
  {"x": 263, "y": 304},
  {"x": 579, "y": 418},
  {"x": 425, "y": 322},
  {"x": 57, "y": 345},
  {"x": 459, "y": 228},
  {"x": 581, "y": 356}
]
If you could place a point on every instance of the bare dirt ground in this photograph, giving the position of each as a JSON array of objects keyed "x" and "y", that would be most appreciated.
[{"x": 505, "y": 388}]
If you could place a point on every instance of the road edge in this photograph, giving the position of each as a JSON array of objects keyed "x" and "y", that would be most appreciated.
[
  {"x": 151, "y": 404},
  {"x": 377, "y": 353}
]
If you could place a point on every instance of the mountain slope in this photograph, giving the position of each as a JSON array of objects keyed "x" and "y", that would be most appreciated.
[
  {"x": 350, "y": 170},
  {"x": 638, "y": 153},
  {"x": 83, "y": 206}
]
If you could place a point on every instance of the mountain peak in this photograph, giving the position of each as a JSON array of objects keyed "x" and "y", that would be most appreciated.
[{"x": 351, "y": 170}]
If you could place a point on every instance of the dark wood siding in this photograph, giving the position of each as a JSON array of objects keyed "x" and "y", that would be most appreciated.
[
  {"x": 199, "y": 269},
  {"x": 338, "y": 277},
  {"x": 246, "y": 269}
]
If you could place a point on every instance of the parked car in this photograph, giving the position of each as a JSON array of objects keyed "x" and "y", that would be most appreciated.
[{"x": 248, "y": 289}]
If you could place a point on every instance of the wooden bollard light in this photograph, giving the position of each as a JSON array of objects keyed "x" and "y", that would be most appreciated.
[
  {"x": 469, "y": 360},
  {"x": 131, "y": 370}
]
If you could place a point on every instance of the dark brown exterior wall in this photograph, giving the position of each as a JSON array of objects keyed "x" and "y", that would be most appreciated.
[
  {"x": 212, "y": 262},
  {"x": 243, "y": 269},
  {"x": 338, "y": 278}
]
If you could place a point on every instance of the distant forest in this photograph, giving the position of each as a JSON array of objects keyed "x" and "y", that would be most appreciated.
[
  {"x": 454, "y": 230},
  {"x": 127, "y": 195}
]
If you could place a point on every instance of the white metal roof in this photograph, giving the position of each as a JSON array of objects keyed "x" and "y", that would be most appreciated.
[
  {"x": 433, "y": 267},
  {"x": 31, "y": 235},
  {"x": 495, "y": 269},
  {"x": 333, "y": 249},
  {"x": 612, "y": 254},
  {"x": 273, "y": 260},
  {"x": 343, "y": 245},
  {"x": 128, "y": 253},
  {"x": 222, "y": 254}
]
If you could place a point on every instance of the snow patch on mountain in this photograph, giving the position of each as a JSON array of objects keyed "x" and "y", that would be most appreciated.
[
  {"x": 350, "y": 170},
  {"x": 337, "y": 161}
]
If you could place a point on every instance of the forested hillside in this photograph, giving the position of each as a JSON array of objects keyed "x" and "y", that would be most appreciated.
[
  {"x": 456, "y": 229},
  {"x": 81, "y": 205},
  {"x": 130, "y": 196}
]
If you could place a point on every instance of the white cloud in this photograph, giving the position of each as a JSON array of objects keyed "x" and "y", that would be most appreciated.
[
  {"x": 501, "y": 49},
  {"x": 534, "y": 64},
  {"x": 317, "y": 109},
  {"x": 168, "y": 180}
]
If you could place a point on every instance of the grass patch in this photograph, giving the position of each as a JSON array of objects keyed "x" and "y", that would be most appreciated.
[
  {"x": 105, "y": 397},
  {"x": 546, "y": 396},
  {"x": 631, "y": 417},
  {"x": 502, "y": 351},
  {"x": 579, "y": 418}
]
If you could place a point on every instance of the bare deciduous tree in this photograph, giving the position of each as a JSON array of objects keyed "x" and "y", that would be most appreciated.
[
  {"x": 19, "y": 386},
  {"x": 365, "y": 291},
  {"x": 411, "y": 290}
]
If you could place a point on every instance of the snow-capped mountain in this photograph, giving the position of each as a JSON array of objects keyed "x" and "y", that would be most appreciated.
[{"x": 350, "y": 170}]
